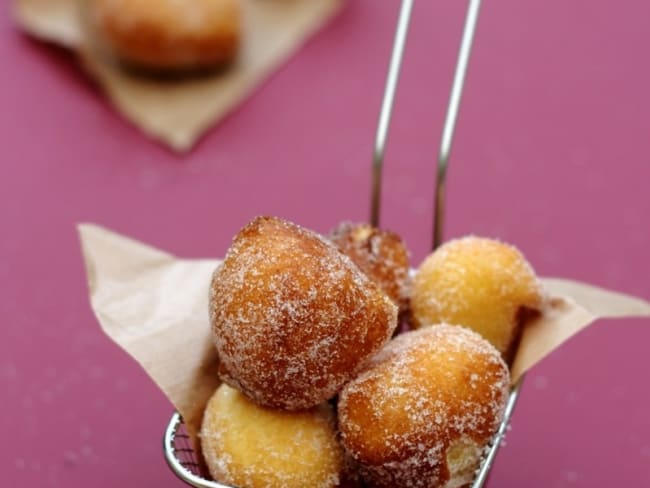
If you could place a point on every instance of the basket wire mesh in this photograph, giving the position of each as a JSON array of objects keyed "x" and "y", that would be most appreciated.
[{"x": 179, "y": 454}]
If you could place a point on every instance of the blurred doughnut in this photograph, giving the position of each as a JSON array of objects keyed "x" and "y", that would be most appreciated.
[
  {"x": 421, "y": 413},
  {"x": 293, "y": 318},
  {"x": 166, "y": 35},
  {"x": 480, "y": 283}
]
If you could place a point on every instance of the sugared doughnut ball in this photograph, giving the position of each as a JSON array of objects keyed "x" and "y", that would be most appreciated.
[
  {"x": 480, "y": 283},
  {"x": 254, "y": 447},
  {"x": 380, "y": 254},
  {"x": 166, "y": 35},
  {"x": 422, "y": 412},
  {"x": 293, "y": 318}
]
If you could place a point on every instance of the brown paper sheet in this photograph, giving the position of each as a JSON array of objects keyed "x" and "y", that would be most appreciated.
[
  {"x": 571, "y": 307},
  {"x": 155, "y": 306},
  {"x": 179, "y": 112}
]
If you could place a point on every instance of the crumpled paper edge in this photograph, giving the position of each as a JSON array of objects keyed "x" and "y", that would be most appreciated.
[{"x": 154, "y": 306}]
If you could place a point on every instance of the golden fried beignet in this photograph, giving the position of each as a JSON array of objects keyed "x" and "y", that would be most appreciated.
[
  {"x": 254, "y": 447},
  {"x": 424, "y": 409},
  {"x": 166, "y": 35},
  {"x": 293, "y": 318},
  {"x": 380, "y": 254},
  {"x": 479, "y": 283}
]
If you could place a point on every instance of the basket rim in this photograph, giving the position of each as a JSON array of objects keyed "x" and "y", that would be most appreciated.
[{"x": 173, "y": 462}]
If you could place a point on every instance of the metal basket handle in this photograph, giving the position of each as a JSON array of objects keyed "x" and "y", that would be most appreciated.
[{"x": 449, "y": 127}]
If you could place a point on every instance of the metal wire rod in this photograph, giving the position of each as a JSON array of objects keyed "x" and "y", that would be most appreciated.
[
  {"x": 450, "y": 120},
  {"x": 387, "y": 108}
]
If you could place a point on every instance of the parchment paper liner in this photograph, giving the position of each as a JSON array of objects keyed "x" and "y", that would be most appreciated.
[
  {"x": 179, "y": 112},
  {"x": 155, "y": 306}
]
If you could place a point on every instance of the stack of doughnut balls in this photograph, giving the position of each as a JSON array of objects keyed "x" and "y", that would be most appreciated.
[{"x": 318, "y": 388}]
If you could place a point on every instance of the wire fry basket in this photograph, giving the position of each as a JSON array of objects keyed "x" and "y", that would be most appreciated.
[{"x": 179, "y": 454}]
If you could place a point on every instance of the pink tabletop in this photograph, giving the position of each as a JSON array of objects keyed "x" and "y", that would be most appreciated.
[{"x": 552, "y": 154}]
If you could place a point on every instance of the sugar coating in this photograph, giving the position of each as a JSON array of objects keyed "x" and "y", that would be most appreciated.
[
  {"x": 293, "y": 318},
  {"x": 480, "y": 283},
  {"x": 380, "y": 254},
  {"x": 421, "y": 412},
  {"x": 254, "y": 447}
]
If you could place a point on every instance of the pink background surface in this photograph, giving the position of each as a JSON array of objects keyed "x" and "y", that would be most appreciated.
[{"x": 552, "y": 154}]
